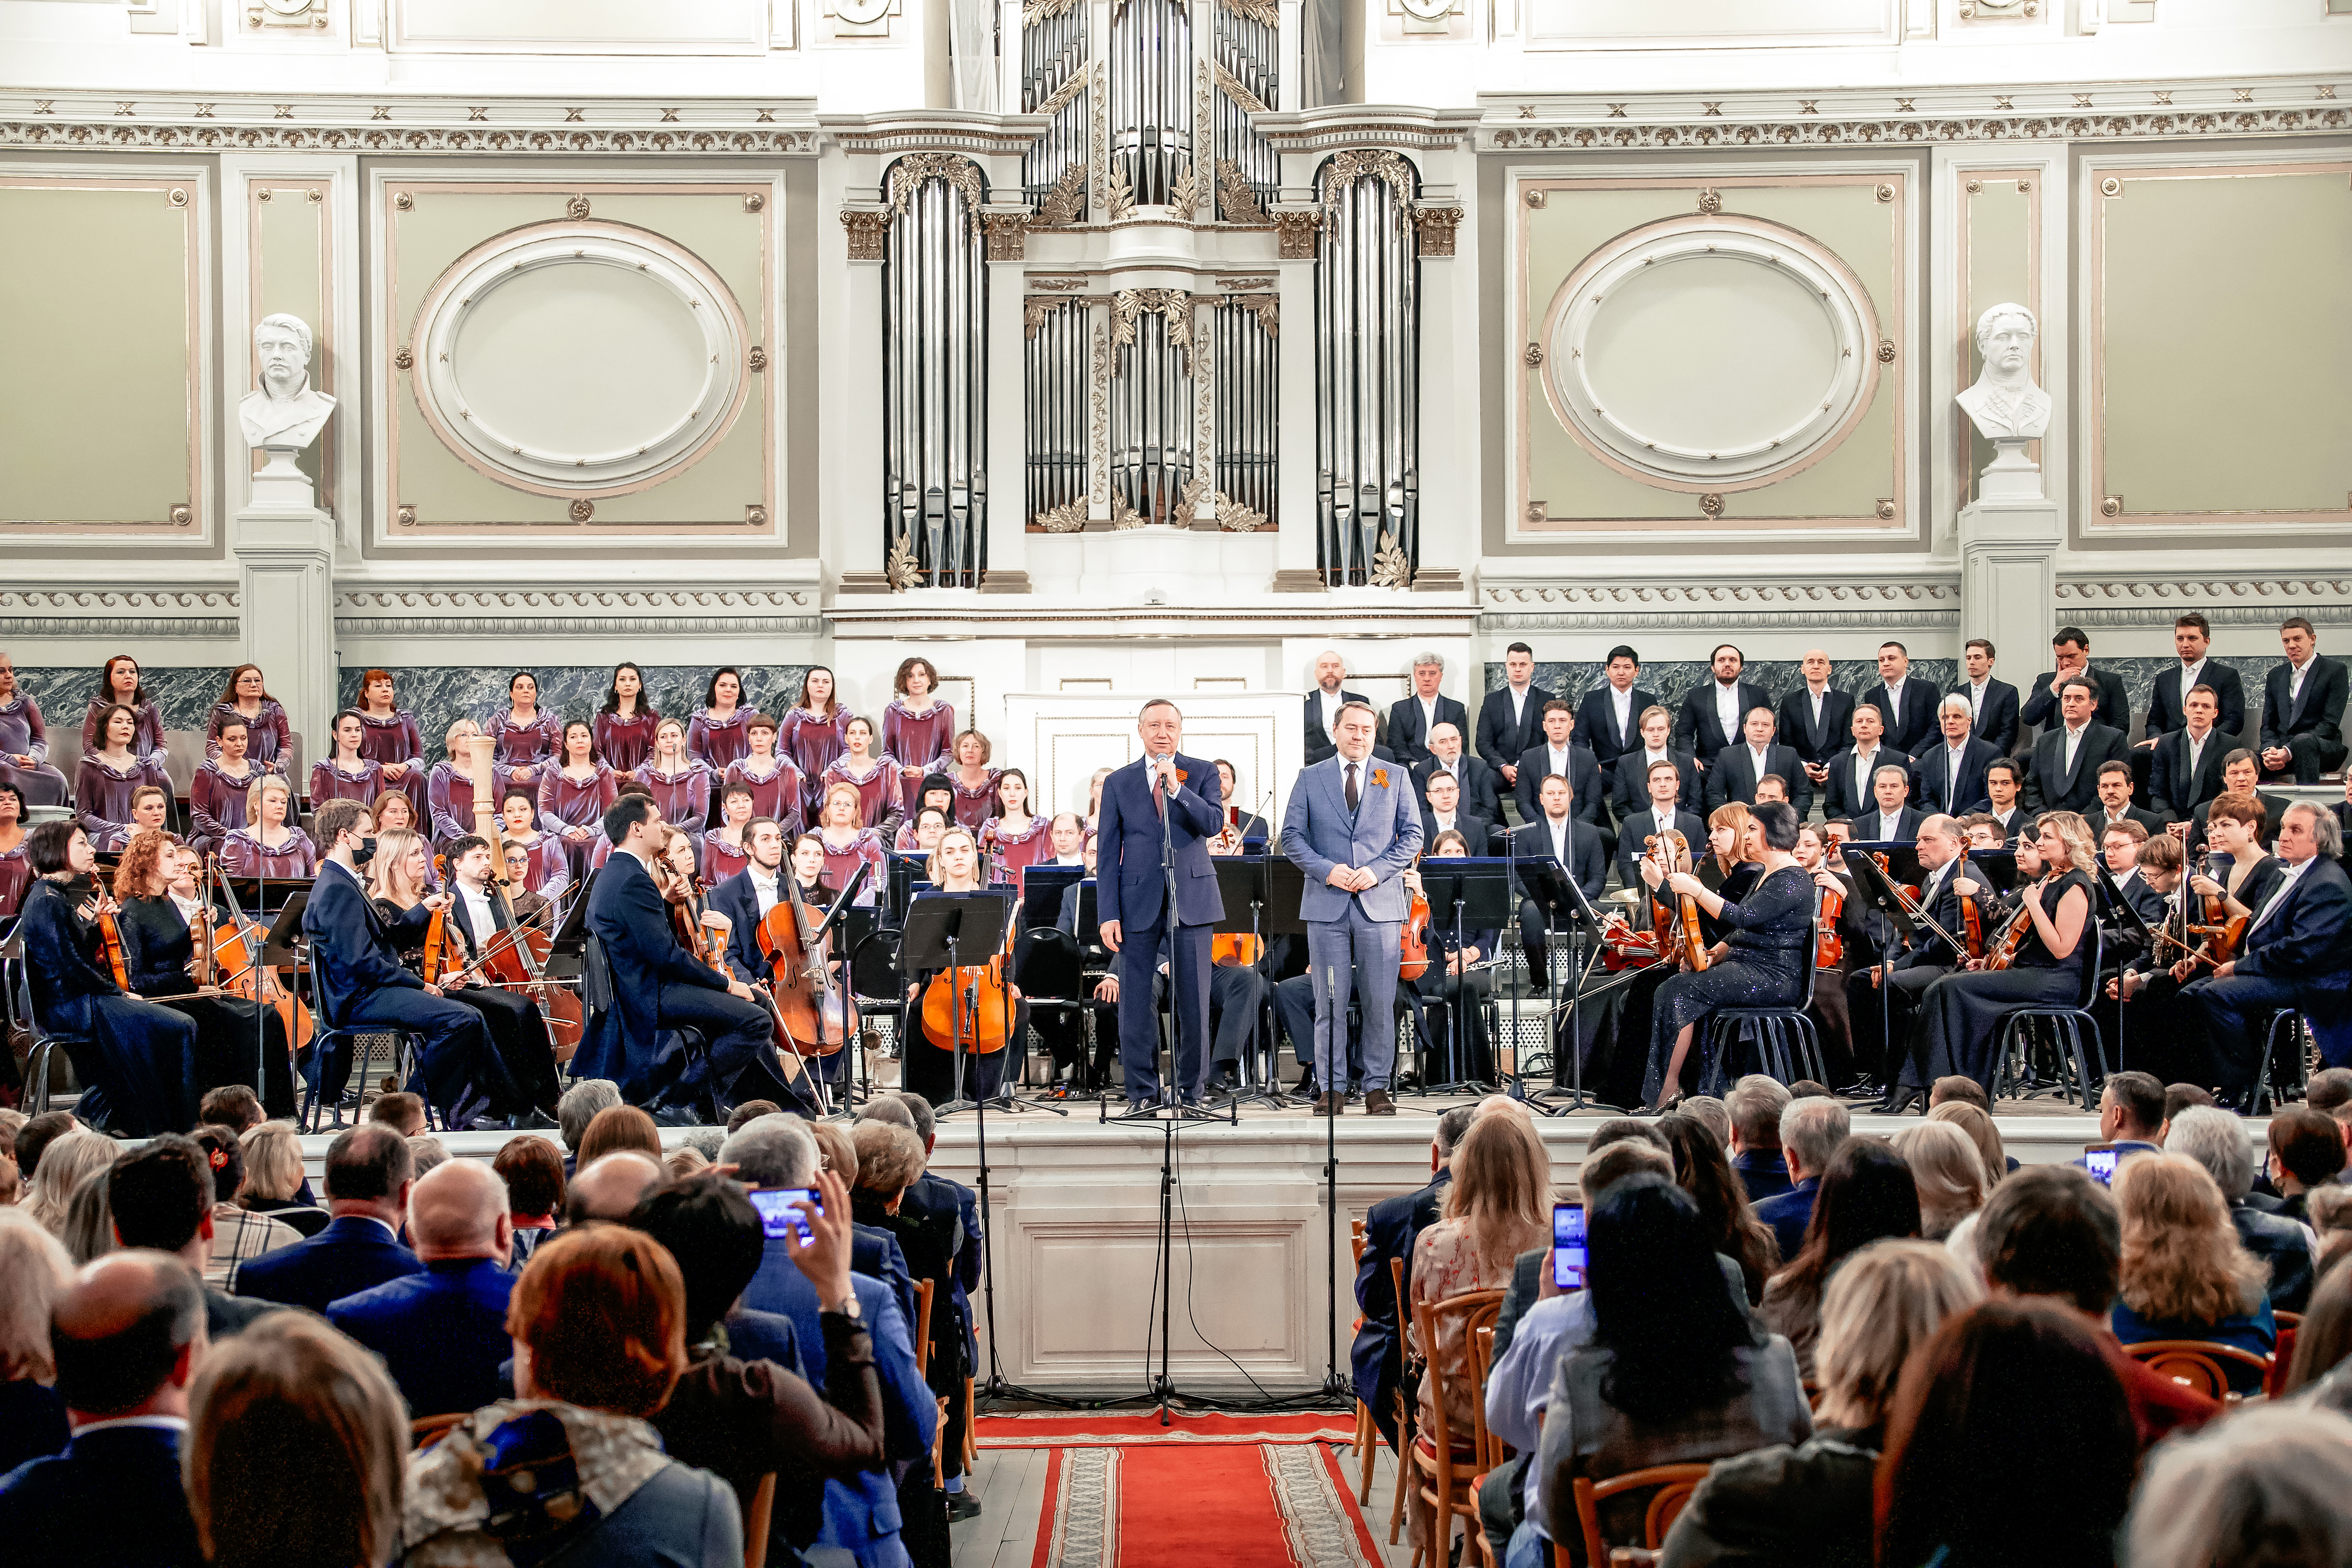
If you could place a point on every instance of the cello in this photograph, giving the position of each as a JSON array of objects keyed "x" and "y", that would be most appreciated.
[
  {"x": 987, "y": 1007},
  {"x": 228, "y": 955},
  {"x": 513, "y": 956},
  {"x": 813, "y": 1018}
]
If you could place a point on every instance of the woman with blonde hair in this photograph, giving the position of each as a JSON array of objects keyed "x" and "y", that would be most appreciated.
[
  {"x": 1973, "y": 1121},
  {"x": 2185, "y": 1275},
  {"x": 270, "y": 843},
  {"x": 1498, "y": 1205},
  {"x": 928, "y": 1064},
  {"x": 448, "y": 789},
  {"x": 1949, "y": 1171},
  {"x": 273, "y": 1178},
  {"x": 63, "y": 1165},
  {"x": 34, "y": 1272},
  {"x": 848, "y": 842}
]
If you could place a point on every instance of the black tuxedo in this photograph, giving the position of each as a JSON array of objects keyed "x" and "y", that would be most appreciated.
[
  {"x": 2145, "y": 901},
  {"x": 2050, "y": 785},
  {"x": 1319, "y": 738},
  {"x": 1734, "y": 776},
  {"x": 1816, "y": 743},
  {"x": 2114, "y": 709},
  {"x": 1915, "y": 728},
  {"x": 1698, "y": 729},
  {"x": 1481, "y": 790},
  {"x": 1628, "y": 788},
  {"x": 2019, "y": 819},
  {"x": 2100, "y": 820},
  {"x": 1587, "y": 867},
  {"x": 1583, "y": 782},
  {"x": 1501, "y": 740},
  {"x": 1477, "y": 831},
  {"x": 1866, "y": 826},
  {"x": 1596, "y": 723},
  {"x": 2166, "y": 714},
  {"x": 2294, "y": 956},
  {"x": 1929, "y": 785},
  {"x": 1634, "y": 827},
  {"x": 1408, "y": 740},
  {"x": 1841, "y": 795},
  {"x": 1996, "y": 720},
  {"x": 2312, "y": 726},
  {"x": 2170, "y": 789}
]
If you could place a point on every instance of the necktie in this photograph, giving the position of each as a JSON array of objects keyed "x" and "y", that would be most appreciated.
[{"x": 1355, "y": 797}]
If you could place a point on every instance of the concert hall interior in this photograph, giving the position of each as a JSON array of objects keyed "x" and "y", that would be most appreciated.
[{"x": 1280, "y": 695}]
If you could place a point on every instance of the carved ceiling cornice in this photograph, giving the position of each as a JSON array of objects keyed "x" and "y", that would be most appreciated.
[
  {"x": 1689, "y": 607},
  {"x": 217, "y": 123}
]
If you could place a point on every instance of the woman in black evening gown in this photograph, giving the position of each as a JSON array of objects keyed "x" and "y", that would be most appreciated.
[{"x": 1762, "y": 960}]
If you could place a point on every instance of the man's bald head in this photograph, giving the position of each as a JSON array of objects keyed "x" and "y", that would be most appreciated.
[
  {"x": 1494, "y": 1102},
  {"x": 127, "y": 1335},
  {"x": 459, "y": 1209},
  {"x": 610, "y": 1188}
]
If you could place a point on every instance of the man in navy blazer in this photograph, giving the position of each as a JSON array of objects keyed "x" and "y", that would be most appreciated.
[
  {"x": 2302, "y": 709},
  {"x": 1559, "y": 751},
  {"x": 1907, "y": 702},
  {"x": 126, "y": 1338},
  {"x": 1391, "y": 1227},
  {"x": 2185, "y": 771},
  {"x": 368, "y": 1176},
  {"x": 1994, "y": 702},
  {"x": 443, "y": 1332},
  {"x": 659, "y": 989},
  {"x": 2167, "y": 698},
  {"x": 360, "y": 981},
  {"x": 1714, "y": 710},
  {"x": 1609, "y": 720},
  {"x": 1949, "y": 770},
  {"x": 2295, "y": 955},
  {"x": 1353, "y": 827},
  {"x": 1161, "y": 802},
  {"x": 1412, "y": 716}
]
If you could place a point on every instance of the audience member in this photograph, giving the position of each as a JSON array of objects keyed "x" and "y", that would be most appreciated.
[
  {"x": 1948, "y": 1173},
  {"x": 1531, "y": 1270},
  {"x": 12, "y": 1184},
  {"x": 1675, "y": 1373},
  {"x": 1811, "y": 1127},
  {"x": 126, "y": 1337},
  {"x": 609, "y": 1188},
  {"x": 1810, "y": 1506},
  {"x": 2132, "y": 1112},
  {"x": 936, "y": 1195},
  {"x": 238, "y": 1234},
  {"x": 427, "y": 1153},
  {"x": 2178, "y": 1097},
  {"x": 1867, "y": 1194},
  {"x": 598, "y": 1318},
  {"x": 1732, "y": 1227},
  {"x": 400, "y": 1110},
  {"x": 2218, "y": 1141},
  {"x": 88, "y": 1230},
  {"x": 2265, "y": 1489},
  {"x": 616, "y": 1128},
  {"x": 442, "y": 1330},
  {"x": 1390, "y": 1227},
  {"x": 1959, "y": 1088},
  {"x": 2323, "y": 1344},
  {"x": 232, "y": 1105},
  {"x": 296, "y": 1447},
  {"x": 2330, "y": 1090},
  {"x": 1710, "y": 1111},
  {"x": 160, "y": 1197},
  {"x": 887, "y": 1108},
  {"x": 2185, "y": 1275},
  {"x": 33, "y": 1139},
  {"x": 750, "y": 1110},
  {"x": 889, "y": 1160},
  {"x": 1972, "y": 1472},
  {"x": 274, "y": 1181},
  {"x": 1755, "y": 1104},
  {"x": 834, "y": 1152},
  {"x": 34, "y": 1272},
  {"x": 1972, "y": 1120},
  {"x": 684, "y": 1161},
  {"x": 532, "y": 1168},
  {"x": 581, "y": 1105},
  {"x": 64, "y": 1164},
  {"x": 368, "y": 1176},
  {"x": 2306, "y": 1152}
]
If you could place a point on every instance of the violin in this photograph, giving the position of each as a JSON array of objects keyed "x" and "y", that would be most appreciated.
[
  {"x": 2224, "y": 933},
  {"x": 811, "y": 1014},
  {"x": 1235, "y": 950},
  {"x": 1830, "y": 947},
  {"x": 2012, "y": 937},
  {"x": 1971, "y": 923},
  {"x": 110, "y": 941},
  {"x": 1678, "y": 929},
  {"x": 435, "y": 966},
  {"x": 987, "y": 1005}
]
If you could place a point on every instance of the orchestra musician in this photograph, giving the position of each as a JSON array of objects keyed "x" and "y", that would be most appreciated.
[
  {"x": 660, "y": 986},
  {"x": 1453, "y": 973},
  {"x": 1559, "y": 836},
  {"x": 1164, "y": 802},
  {"x": 1761, "y": 960},
  {"x": 1352, "y": 827},
  {"x": 24, "y": 742},
  {"x": 551, "y": 870},
  {"x": 135, "y": 1060},
  {"x": 2155, "y": 1038},
  {"x": 928, "y": 1065},
  {"x": 1246, "y": 831},
  {"x": 2240, "y": 772},
  {"x": 2004, "y": 791},
  {"x": 237, "y": 1037},
  {"x": 1946, "y": 884},
  {"x": 747, "y": 895},
  {"x": 528, "y": 905},
  {"x": 1828, "y": 1008}
]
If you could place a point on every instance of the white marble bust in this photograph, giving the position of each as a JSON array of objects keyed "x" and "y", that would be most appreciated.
[
  {"x": 284, "y": 413},
  {"x": 2004, "y": 402}
]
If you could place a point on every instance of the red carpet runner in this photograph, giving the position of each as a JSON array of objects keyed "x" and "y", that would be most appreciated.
[{"x": 1240, "y": 1492}]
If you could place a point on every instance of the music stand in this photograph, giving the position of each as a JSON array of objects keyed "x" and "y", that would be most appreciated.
[
  {"x": 1999, "y": 866},
  {"x": 906, "y": 871},
  {"x": 1474, "y": 894},
  {"x": 571, "y": 931},
  {"x": 1877, "y": 890},
  {"x": 283, "y": 947},
  {"x": 2113, "y": 903},
  {"x": 1243, "y": 884},
  {"x": 939, "y": 926},
  {"x": 1556, "y": 893}
]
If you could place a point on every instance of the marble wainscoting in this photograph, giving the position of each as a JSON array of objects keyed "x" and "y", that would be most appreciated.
[
  {"x": 1674, "y": 679},
  {"x": 186, "y": 693},
  {"x": 440, "y": 695}
]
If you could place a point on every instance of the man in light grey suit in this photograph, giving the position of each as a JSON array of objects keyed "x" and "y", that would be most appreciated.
[{"x": 1353, "y": 827}]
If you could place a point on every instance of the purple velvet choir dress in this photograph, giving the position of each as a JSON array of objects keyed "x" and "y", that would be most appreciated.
[
  {"x": 267, "y": 735},
  {"x": 450, "y": 795},
  {"x": 626, "y": 742},
  {"x": 23, "y": 733},
  {"x": 1012, "y": 854},
  {"x": 567, "y": 802},
  {"x": 721, "y": 859},
  {"x": 16, "y": 871},
  {"x": 216, "y": 803},
  {"x": 523, "y": 745},
  {"x": 551, "y": 870},
  {"x": 718, "y": 742},
  {"x": 398, "y": 740},
  {"x": 684, "y": 796},
  {"x": 879, "y": 806},
  {"x": 329, "y": 780},
  {"x": 102, "y": 792},
  {"x": 777, "y": 792},
  {"x": 922, "y": 742},
  {"x": 294, "y": 860},
  {"x": 146, "y": 739},
  {"x": 973, "y": 806},
  {"x": 904, "y": 844},
  {"x": 811, "y": 743},
  {"x": 840, "y": 864}
]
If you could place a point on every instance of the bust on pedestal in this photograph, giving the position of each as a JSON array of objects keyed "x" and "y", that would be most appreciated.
[
  {"x": 2009, "y": 534},
  {"x": 2007, "y": 408},
  {"x": 283, "y": 544},
  {"x": 282, "y": 415}
]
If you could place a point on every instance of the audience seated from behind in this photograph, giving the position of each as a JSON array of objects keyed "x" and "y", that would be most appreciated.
[
  {"x": 1811, "y": 1130},
  {"x": 65, "y": 1163},
  {"x": 1390, "y": 1227},
  {"x": 1808, "y": 1506},
  {"x": 1676, "y": 1373},
  {"x": 291, "y": 1385},
  {"x": 889, "y": 1159},
  {"x": 1702, "y": 1169},
  {"x": 1974, "y": 1120},
  {"x": 34, "y": 1272},
  {"x": 274, "y": 1183},
  {"x": 160, "y": 1197},
  {"x": 2320, "y": 1371},
  {"x": 402, "y": 1111},
  {"x": 2306, "y": 1153},
  {"x": 598, "y": 1319},
  {"x": 2265, "y": 1487},
  {"x": 532, "y": 1170},
  {"x": 616, "y": 1128},
  {"x": 1755, "y": 1105},
  {"x": 578, "y": 1108},
  {"x": 2185, "y": 1275},
  {"x": 368, "y": 1175},
  {"x": 1949, "y": 1171},
  {"x": 442, "y": 1331},
  {"x": 1867, "y": 1194},
  {"x": 2218, "y": 1141},
  {"x": 609, "y": 1188},
  {"x": 238, "y": 1234}
]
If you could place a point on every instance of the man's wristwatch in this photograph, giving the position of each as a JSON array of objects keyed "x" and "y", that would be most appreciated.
[{"x": 848, "y": 1308}]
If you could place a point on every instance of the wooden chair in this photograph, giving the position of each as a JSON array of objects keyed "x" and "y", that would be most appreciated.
[
  {"x": 1669, "y": 1487},
  {"x": 427, "y": 1430},
  {"x": 924, "y": 1290},
  {"x": 1443, "y": 1461},
  {"x": 1492, "y": 1450},
  {"x": 755, "y": 1523},
  {"x": 2200, "y": 1363},
  {"x": 971, "y": 1429},
  {"x": 1366, "y": 1446},
  {"x": 1406, "y": 1421}
]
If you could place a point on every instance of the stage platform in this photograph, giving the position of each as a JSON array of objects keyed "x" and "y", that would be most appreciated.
[{"x": 1074, "y": 1222}]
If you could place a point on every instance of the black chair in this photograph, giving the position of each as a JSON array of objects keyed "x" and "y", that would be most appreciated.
[
  {"x": 1787, "y": 1047},
  {"x": 47, "y": 1043},
  {"x": 2283, "y": 1076},
  {"x": 399, "y": 1050},
  {"x": 2066, "y": 1024}
]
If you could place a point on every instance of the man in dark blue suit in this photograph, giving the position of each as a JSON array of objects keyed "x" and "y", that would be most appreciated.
[
  {"x": 659, "y": 989},
  {"x": 360, "y": 981},
  {"x": 1609, "y": 720},
  {"x": 1949, "y": 770},
  {"x": 2302, "y": 709},
  {"x": 2295, "y": 955},
  {"x": 1811, "y": 1130},
  {"x": 1994, "y": 702},
  {"x": 1163, "y": 802},
  {"x": 368, "y": 1176},
  {"x": 1909, "y": 705},
  {"x": 1390, "y": 1228},
  {"x": 1412, "y": 716},
  {"x": 443, "y": 1332},
  {"x": 935, "y": 1193},
  {"x": 126, "y": 1338}
]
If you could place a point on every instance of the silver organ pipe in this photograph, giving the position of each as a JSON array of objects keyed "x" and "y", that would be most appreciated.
[
  {"x": 1055, "y": 381},
  {"x": 935, "y": 370},
  {"x": 1247, "y": 49},
  {"x": 1150, "y": 95},
  {"x": 1244, "y": 387},
  {"x": 1053, "y": 60},
  {"x": 1367, "y": 354}
]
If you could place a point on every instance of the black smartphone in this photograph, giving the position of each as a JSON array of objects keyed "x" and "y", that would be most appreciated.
[
  {"x": 2099, "y": 1159},
  {"x": 777, "y": 1213},
  {"x": 1568, "y": 1254}
]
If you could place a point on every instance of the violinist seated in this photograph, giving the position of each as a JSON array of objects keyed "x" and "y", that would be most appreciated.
[
  {"x": 1453, "y": 973},
  {"x": 1444, "y": 814},
  {"x": 162, "y": 913},
  {"x": 2296, "y": 953},
  {"x": 1842, "y": 947},
  {"x": 930, "y": 1061},
  {"x": 2154, "y": 1033},
  {"x": 2231, "y": 864},
  {"x": 1560, "y": 837},
  {"x": 660, "y": 985},
  {"x": 136, "y": 1060},
  {"x": 486, "y": 944},
  {"x": 1660, "y": 812},
  {"x": 1946, "y": 890},
  {"x": 749, "y": 899}
]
